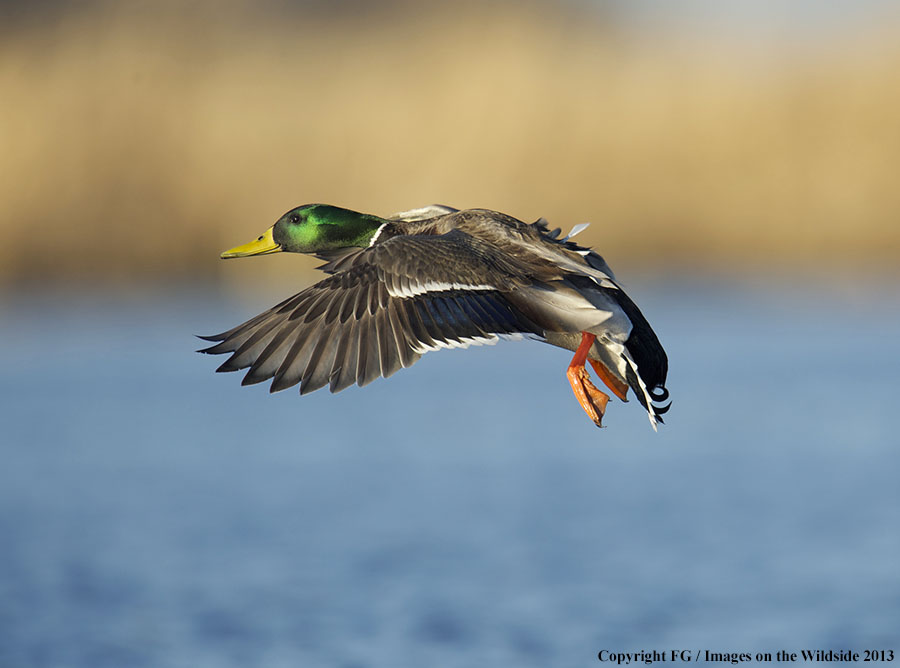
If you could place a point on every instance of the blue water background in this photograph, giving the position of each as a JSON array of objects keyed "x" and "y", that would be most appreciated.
[{"x": 464, "y": 512}]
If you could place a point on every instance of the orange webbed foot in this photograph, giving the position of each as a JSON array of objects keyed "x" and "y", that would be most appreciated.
[
  {"x": 618, "y": 388},
  {"x": 592, "y": 400}
]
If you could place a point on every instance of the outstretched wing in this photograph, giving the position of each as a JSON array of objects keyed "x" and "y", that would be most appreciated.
[{"x": 381, "y": 310}]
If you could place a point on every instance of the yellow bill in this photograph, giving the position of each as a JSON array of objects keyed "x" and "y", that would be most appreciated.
[{"x": 262, "y": 246}]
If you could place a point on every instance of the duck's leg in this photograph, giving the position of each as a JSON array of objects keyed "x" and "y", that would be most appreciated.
[
  {"x": 592, "y": 400},
  {"x": 618, "y": 388}
]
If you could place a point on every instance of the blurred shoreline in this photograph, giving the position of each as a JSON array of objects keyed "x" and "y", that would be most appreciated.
[{"x": 141, "y": 142}]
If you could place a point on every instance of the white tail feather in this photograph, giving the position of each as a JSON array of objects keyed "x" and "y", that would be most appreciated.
[{"x": 648, "y": 400}]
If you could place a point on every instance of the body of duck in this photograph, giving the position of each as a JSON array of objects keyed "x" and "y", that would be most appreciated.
[{"x": 436, "y": 278}]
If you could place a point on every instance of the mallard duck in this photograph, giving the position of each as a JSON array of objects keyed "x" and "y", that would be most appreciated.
[{"x": 439, "y": 277}]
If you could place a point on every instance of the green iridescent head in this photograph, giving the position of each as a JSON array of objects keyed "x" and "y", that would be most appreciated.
[{"x": 312, "y": 228}]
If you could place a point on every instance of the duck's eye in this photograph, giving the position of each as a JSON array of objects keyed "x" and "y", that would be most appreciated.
[{"x": 295, "y": 219}]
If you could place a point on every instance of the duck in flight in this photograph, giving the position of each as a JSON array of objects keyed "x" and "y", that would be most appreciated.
[{"x": 438, "y": 277}]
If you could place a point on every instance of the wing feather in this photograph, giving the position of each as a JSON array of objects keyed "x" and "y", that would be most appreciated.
[
  {"x": 321, "y": 360},
  {"x": 369, "y": 366},
  {"x": 343, "y": 374}
]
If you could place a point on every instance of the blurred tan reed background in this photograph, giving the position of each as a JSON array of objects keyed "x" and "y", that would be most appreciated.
[{"x": 138, "y": 140}]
